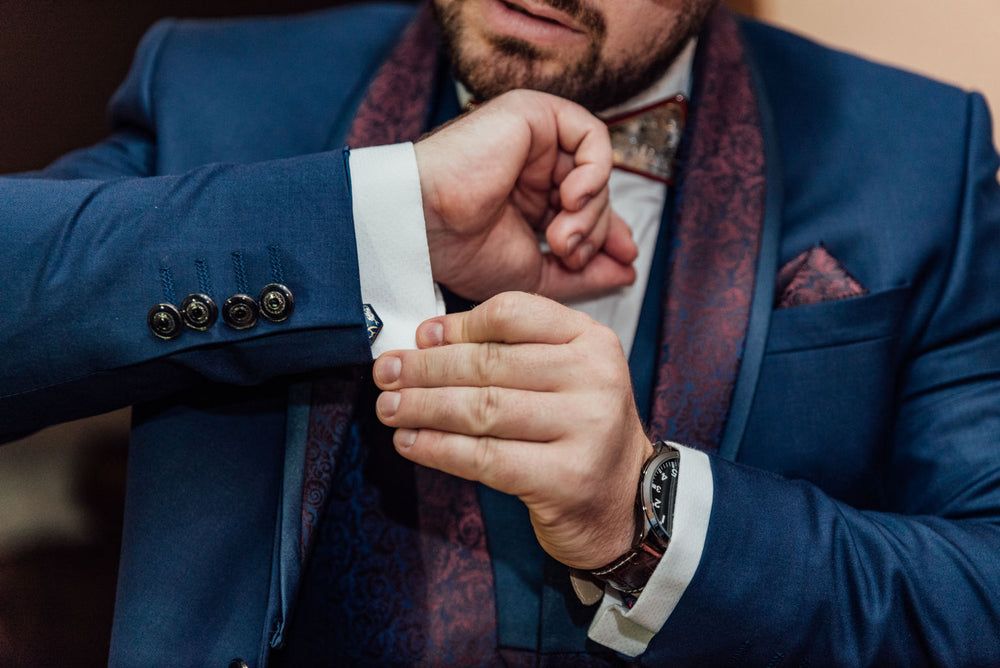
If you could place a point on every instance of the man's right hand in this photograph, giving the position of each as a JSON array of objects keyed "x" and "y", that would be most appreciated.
[
  {"x": 535, "y": 400},
  {"x": 520, "y": 164}
]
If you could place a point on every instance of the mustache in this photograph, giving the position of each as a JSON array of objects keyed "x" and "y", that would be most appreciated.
[{"x": 587, "y": 16}]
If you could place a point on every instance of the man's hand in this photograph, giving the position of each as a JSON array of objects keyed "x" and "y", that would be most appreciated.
[
  {"x": 523, "y": 163},
  {"x": 533, "y": 399}
]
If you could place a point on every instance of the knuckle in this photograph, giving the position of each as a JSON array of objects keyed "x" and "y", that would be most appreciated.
[
  {"x": 607, "y": 354},
  {"x": 487, "y": 408},
  {"x": 413, "y": 367},
  {"x": 412, "y": 402},
  {"x": 431, "y": 446},
  {"x": 489, "y": 361},
  {"x": 453, "y": 366},
  {"x": 484, "y": 456},
  {"x": 606, "y": 336},
  {"x": 498, "y": 310},
  {"x": 602, "y": 129}
]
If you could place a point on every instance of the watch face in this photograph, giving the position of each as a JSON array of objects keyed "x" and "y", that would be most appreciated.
[{"x": 659, "y": 492}]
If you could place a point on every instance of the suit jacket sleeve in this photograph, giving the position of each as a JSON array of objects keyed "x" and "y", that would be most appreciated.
[
  {"x": 791, "y": 575},
  {"x": 97, "y": 239}
]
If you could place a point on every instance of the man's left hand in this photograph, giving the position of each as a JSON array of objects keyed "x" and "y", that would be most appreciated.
[{"x": 533, "y": 399}]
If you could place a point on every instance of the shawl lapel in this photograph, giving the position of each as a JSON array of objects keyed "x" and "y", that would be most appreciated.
[{"x": 715, "y": 250}]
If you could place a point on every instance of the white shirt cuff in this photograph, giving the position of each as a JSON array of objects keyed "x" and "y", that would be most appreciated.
[
  {"x": 393, "y": 259},
  {"x": 629, "y": 631}
]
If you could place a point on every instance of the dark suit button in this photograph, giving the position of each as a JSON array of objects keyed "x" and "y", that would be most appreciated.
[
  {"x": 200, "y": 311},
  {"x": 240, "y": 312},
  {"x": 165, "y": 321},
  {"x": 238, "y": 663},
  {"x": 276, "y": 302}
]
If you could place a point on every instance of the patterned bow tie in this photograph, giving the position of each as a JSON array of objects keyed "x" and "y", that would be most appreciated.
[{"x": 645, "y": 141}]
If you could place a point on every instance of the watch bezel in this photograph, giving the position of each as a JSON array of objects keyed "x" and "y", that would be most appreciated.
[{"x": 655, "y": 531}]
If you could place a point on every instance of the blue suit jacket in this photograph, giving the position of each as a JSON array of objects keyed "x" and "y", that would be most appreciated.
[{"x": 857, "y": 492}]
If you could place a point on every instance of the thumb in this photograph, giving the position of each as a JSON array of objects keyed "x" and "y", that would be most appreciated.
[{"x": 599, "y": 276}]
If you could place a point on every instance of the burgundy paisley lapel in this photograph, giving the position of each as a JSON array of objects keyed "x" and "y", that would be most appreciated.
[
  {"x": 814, "y": 276},
  {"x": 715, "y": 247},
  {"x": 397, "y": 103}
]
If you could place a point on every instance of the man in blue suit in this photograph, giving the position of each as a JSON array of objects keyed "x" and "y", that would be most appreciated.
[{"x": 810, "y": 324}]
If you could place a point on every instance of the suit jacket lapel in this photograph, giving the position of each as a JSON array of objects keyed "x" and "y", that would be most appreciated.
[
  {"x": 719, "y": 241},
  {"x": 767, "y": 269},
  {"x": 397, "y": 105}
]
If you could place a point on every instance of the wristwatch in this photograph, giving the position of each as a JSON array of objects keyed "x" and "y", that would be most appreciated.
[{"x": 654, "y": 503}]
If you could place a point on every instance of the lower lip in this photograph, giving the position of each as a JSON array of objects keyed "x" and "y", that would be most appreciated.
[{"x": 501, "y": 19}]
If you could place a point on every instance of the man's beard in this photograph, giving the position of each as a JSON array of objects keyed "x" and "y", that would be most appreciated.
[{"x": 588, "y": 81}]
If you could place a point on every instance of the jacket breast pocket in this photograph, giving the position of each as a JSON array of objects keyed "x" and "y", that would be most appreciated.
[
  {"x": 838, "y": 322},
  {"x": 824, "y": 404}
]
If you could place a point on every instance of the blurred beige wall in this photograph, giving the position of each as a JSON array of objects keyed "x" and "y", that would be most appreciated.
[{"x": 956, "y": 41}]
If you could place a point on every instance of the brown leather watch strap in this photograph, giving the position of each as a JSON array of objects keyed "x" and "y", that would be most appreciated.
[{"x": 630, "y": 572}]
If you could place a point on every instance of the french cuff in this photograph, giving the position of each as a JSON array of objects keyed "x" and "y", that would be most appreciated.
[
  {"x": 393, "y": 258},
  {"x": 629, "y": 630}
]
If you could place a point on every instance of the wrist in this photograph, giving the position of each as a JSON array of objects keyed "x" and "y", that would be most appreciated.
[
  {"x": 627, "y": 521},
  {"x": 428, "y": 193},
  {"x": 654, "y": 508}
]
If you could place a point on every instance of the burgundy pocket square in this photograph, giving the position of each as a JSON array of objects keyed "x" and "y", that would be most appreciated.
[{"x": 814, "y": 276}]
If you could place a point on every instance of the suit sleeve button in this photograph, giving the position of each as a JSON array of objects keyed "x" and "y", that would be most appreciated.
[
  {"x": 238, "y": 663},
  {"x": 240, "y": 312},
  {"x": 164, "y": 320},
  {"x": 276, "y": 302},
  {"x": 200, "y": 311}
]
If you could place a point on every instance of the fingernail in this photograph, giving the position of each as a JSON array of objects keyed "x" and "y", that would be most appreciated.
[
  {"x": 573, "y": 242},
  {"x": 405, "y": 437},
  {"x": 584, "y": 201},
  {"x": 387, "y": 369},
  {"x": 586, "y": 251},
  {"x": 387, "y": 404},
  {"x": 433, "y": 333}
]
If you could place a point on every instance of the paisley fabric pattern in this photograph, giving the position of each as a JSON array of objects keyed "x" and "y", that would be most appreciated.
[
  {"x": 814, "y": 276},
  {"x": 397, "y": 103},
  {"x": 460, "y": 605},
  {"x": 715, "y": 246},
  {"x": 363, "y": 589},
  {"x": 330, "y": 412}
]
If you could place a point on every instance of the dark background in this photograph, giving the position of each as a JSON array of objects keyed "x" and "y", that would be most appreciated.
[{"x": 60, "y": 61}]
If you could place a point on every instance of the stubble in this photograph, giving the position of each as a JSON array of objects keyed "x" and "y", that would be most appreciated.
[{"x": 589, "y": 80}]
